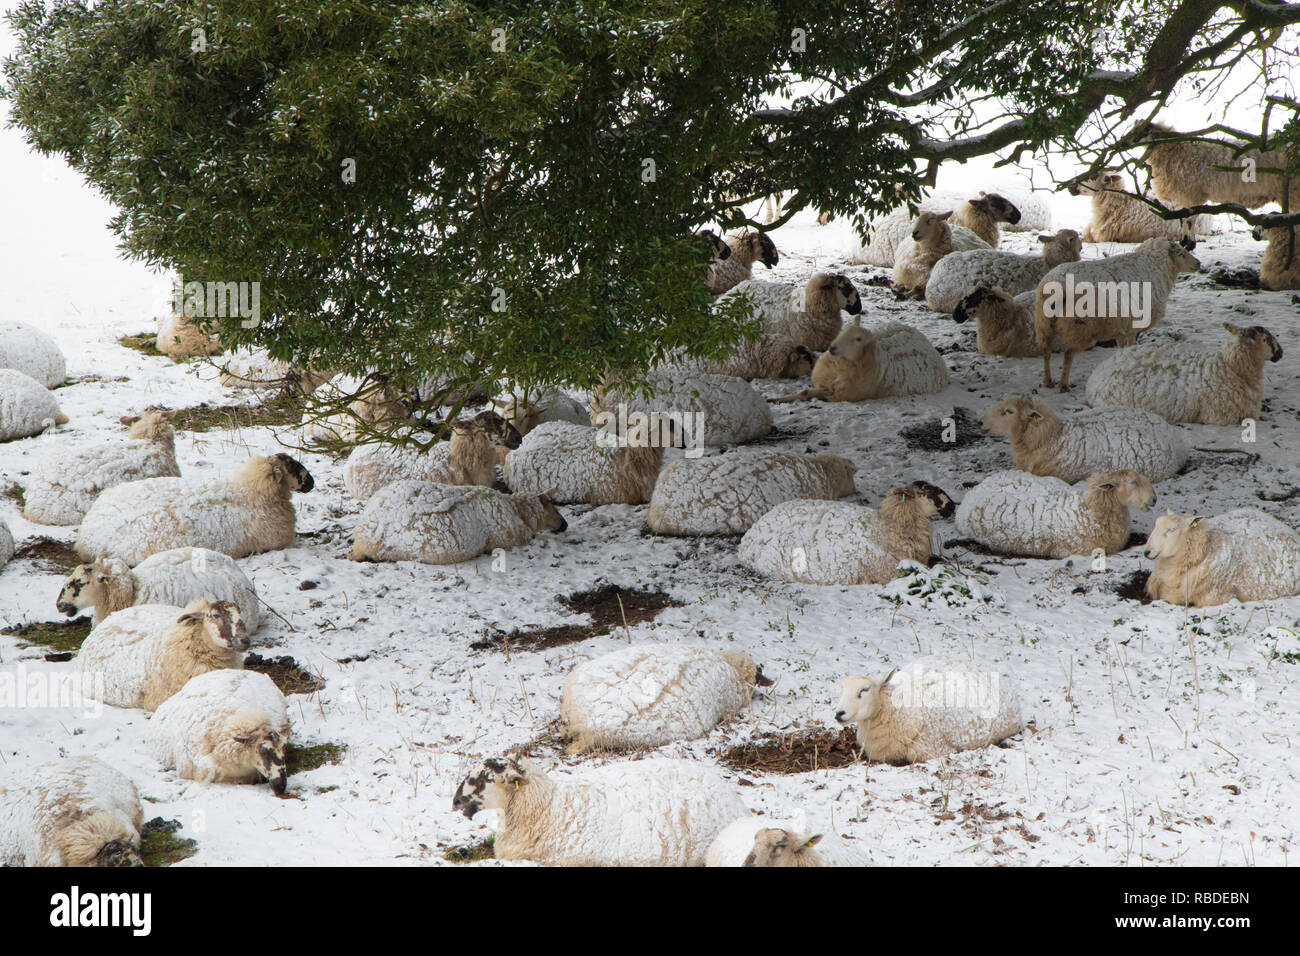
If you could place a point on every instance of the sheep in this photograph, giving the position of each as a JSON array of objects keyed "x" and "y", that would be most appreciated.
[
  {"x": 30, "y": 351},
  {"x": 444, "y": 524},
  {"x": 745, "y": 249},
  {"x": 1191, "y": 172},
  {"x": 469, "y": 458},
  {"x": 377, "y": 407},
  {"x": 26, "y": 406},
  {"x": 169, "y": 577},
  {"x": 1244, "y": 554},
  {"x": 1003, "y": 325},
  {"x": 1116, "y": 298},
  {"x": 647, "y": 813},
  {"x": 838, "y": 542},
  {"x": 1034, "y": 209},
  {"x": 1120, "y": 217},
  {"x": 762, "y": 841},
  {"x": 974, "y": 226},
  {"x": 796, "y": 319},
  {"x": 730, "y": 410},
  {"x": 931, "y": 708},
  {"x": 726, "y": 494},
  {"x": 225, "y": 726},
  {"x": 551, "y": 405},
  {"x": 1103, "y": 439},
  {"x": 6, "y": 544},
  {"x": 647, "y": 695},
  {"x": 63, "y": 486},
  {"x": 254, "y": 369},
  {"x": 883, "y": 359},
  {"x": 246, "y": 514},
  {"x": 931, "y": 240},
  {"x": 1190, "y": 385},
  {"x": 579, "y": 463},
  {"x": 180, "y": 337},
  {"x": 76, "y": 811},
  {"x": 956, "y": 274},
  {"x": 1280, "y": 267},
  {"x": 1015, "y": 513}
]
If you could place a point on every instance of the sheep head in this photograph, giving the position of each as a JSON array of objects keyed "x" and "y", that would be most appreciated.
[
  {"x": 88, "y": 584},
  {"x": 774, "y": 846},
  {"x": 762, "y": 248},
  {"x": 933, "y": 500},
  {"x": 497, "y": 429},
  {"x": 1064, "y": 246},
  {"x": 1013, "y": 417},
  {"x": 852, "y": 343},
  {"x": 219, "y": 622},
  {"x": 1171, "y": 535},
  {"x": 100, "y": 839},
  {"x": 1128, "y": 488},
  {"x": 155, "y": 425},
  {"x": 998, "y": 206},
  {"x": 253, "y": 742},
  {"x": 833, "y": 287},
  {"x": 1259, "y": 339},
  {"x": 799, "y": 364},
  {"x": 713, "y": 241},
  {"x": 289, "y": 474},
  {"x": 489, "y": 787},
  {"x": 861, "y": 698},
  {"x": 930, "y": 224},
  {"x": 1182, "y": 260},
  {"x": 979, "y": 296}
]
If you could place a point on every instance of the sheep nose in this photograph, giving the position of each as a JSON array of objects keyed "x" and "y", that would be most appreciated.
[
  {"x": 833, "y": 350},
  {"x": 839, "y": 716}
]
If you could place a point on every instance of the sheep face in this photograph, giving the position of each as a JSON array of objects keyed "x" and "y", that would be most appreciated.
[
  {"x": 860, "y": 699},
  {"x": 290, "y": 474},
  {"x": 253, "y": 743},
  {"x": 1064, "y": 246},
  {"x": 1260, "y": 339},
  {"x": 498, "y": 430},
  {"x": 998, "y": 206},
  {"x": 851, "y": 343},
  {"x": 488, "y": 787},
  {"x": 719, "y": 248},
  {"x": 929, "y": 224},
  {"x": 935, "y": 500},
  {"x": 83, "y": 588},
  {"x": 970, "y": 305},
  {"x": 774, "y": 846},
  {"x": 1095, "y": 184},
  {"x": 220, "y": 623},
  {"x": 1005, "y": 417},
  {"x": 764, "y": 248},
  {"x": 1166, "y": 539},
  {"x": 845, "y": 293},
  {"x": 1183, "y": 260},
  {"x": 552, "y": 520},
  {"x": 1128, "y": 487}
]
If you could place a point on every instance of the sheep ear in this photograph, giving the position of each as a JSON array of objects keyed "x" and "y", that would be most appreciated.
[
  {"x": 1234, "y": 329},
  {"x": 192, "y": 618},
  {"x": 888, "y": 676},
  {"x": 813, "y": 840},
  {"x": 277, "y": 472},
  {"x": 946, "y": 215},
  {"x": 1194, "y": 522},
  {"x": 1046, "y": 238}
]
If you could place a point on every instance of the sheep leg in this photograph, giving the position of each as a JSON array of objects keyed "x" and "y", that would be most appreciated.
[
  {"x": 1065, "y": 370},
  {"x": 805, "y": 395},
  {"x": 1047, "y": 369}
]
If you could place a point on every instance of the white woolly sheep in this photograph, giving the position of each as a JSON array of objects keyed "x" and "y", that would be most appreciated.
[
  {"x": 878, "y": 360},
  {"x": 63, "y": 486},
  {"x": 1183, "y": 384},
  {"x": 930, "y": 708},
  {"x": 141, "y": 655},
  {"x": 730, "y": 410},
  {"x": 1100, "y": 440},
  {"x": 956, "y": 274},
  {"x": 1245, "y": 554},
  {"x": 180, "y": 337},
  {"x": 1120, "y": 217},
  {"x": 1116, "y": 298},
  {"x": 1003, "y": 325},
  {"x": 225, "y": 726},
  {"x": 726, "y": 494},
  {"x": 745, "y": 249},
  {"x": 1190, "y": 172},
  {"x": 838, "y": 542},
  {"x": 1280, "y": 267},
  {"x": 931, "y": 239},
  {"x": 6, "y": 544},
  {"x": 174, "y": 578},
  {"x": 254, "y": 369},
  {"x": 552, "y": 405},
  {"x": 647, "y": 695},
  {"x": 1034, "y": 208},
  {"x": 974, "y": 225},
  {"x": 762, "y": 841},
  {"x": 30, "y": 351},
  {"x": 444, "y": 524},
  {"x": 246, "y": 514},
  {"x": 26, "y": 406},
  {"x": 579, "y": 463},
  {"x": 77, "y": 811},
  {"x": 1012, "y": 512},
  {"x": 645, "y": 813}
]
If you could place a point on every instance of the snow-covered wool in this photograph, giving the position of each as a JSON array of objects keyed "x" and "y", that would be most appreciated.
[
  {"x": 179, "y": 337},
  {"x": 75, "y": 811},
  {"x": 876, "y": 360},
  {"x": 642, "y": 813},
  {"x": 26, "y": 406},
  {"x": 1245, "y": 554},
  {"x": 730, "y": 409},
  {"x": 255, "y": 369},
  {"x": 956, "y": 274},
  {"x": 649, "y": 694},
  {"x": 580, "y": 463},
  {"x": 1103, "y": 439},
  {"x": 1120, "y": 217},
  {"x": 1111, "y": 299},
  {"x": 468, "y": 458},
  {"x": 63, "y": 486},
  {"x": 248, "y": 513},
  {"x": 796, "y": 319},
  {"x": 443, "y": 524},
  {"x": 839, "y": 542},
  {"x": 225, "y": 726},
  {"x": 745, "y": 249},
  {"x": 1280, "y": 267},
  {"x": 140, "y": 656},
  {"x": 552, "y": 405},
  {"x": 1191, "y": 172},
  {"x": 1016, "y": 513},
  {"x": 377, "y": 405},
  {"x": 974, "y": 225},
  {"x": 1003, "y": 325},
  {"x": 6, "y": 544},
  {"x": 930, "y": 241},
  {"x": 726, "y": 494},
  {"x": 932, "y": 707},
  {"x": 174, "y": 578},
  {"x": 1183, "y": 384},
  {"x": 30, "y": 351}
]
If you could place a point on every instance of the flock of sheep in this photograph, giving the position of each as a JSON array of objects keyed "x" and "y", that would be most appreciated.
[{"x": 173, "y": 610}]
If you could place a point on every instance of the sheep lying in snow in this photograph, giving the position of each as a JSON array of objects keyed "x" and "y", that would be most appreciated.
[
  {"x": 444, "y": 524},
  {"x": 1104, "y": 439},
  {"x": 876, "y": 361},
  {"x": 77, "y": 811},
  {"x": 762, "y": 841},
  {"x": 140, "y": 656},
  {"x": 1120, "y": 217},
  {"x": 63, "y": 486},
  {"x": 179, "y": 337},
  {"x": 838, "y": 542},
  {"x": 552, "y": 405},
  {"x": 1191, "y": 172},
  {"x": 30, "y": 351},
  {"x": 728, "y": 493},
  {"x": 974, "y": 226},
  {"x": 730, "y": 410},
  {"x": 1280, "y": 267},
  {"x": 372, "y": 405},
  {"x": 246, "y": 514},
  {"x": 1116, "y": 298},
  {"x": 579, "y": 463},
  {"x": 931, "y": 240},
  {"x": 745, "y": 249},
  {"x": 1003, "y": 325},
  {"x": 254, "y": 369},
  {"x": 1244, "y": 554},
  {"x": 174, "y": 578},
  {"x": 1181, "y": 384},
  {"x": 956, "y": 274},
  {"x": 645, "y": 813},
  {"x": 468, "y": 458},
  {"x": 1015, "y": 513},
  {"x": 6, "y": 544},
  {"x": 225, "y": 726},
  {"x": 26, "y": 406},
  {"x": 930, "y": 708},
  {"x": 647, "y": 695}
]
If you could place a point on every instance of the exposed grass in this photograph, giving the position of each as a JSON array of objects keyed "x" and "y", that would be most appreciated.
[
  {"x": 483, "y": 850},
  {"x": 159, "y": 845},
  {"x": 60, "y": 636},
  {"x": 298, "y": 759},
  {"x": 145, "y": 343},
  {"x": 59, "y": 557},
  {"x": 15, "y": 494},
  {"x": 280, "y": 409},
  {"x": 800, "y": 752},
  {"x": 610, "y": 608},
  {"x": 288, "y": 676}
]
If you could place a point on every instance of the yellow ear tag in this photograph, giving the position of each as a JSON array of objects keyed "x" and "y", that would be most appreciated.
[
  {"x": 516, "y": 784},
  {"x": 809, "y": 843}
]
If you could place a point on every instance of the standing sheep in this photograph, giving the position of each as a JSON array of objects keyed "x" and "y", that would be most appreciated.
[
  {"x": 838, "y": 542},
  {"x": 974, "y": 226},
  {"x": 956, "y": 274},
  {"x": 1280, "y": 267},
  {"x": 730, "y": 409},
  {"x": 1191, "y": 172},
  {"x": 646, "y": 813},
  {"x": 929, "y": 709},
  {"x": 884, "y": 359},
  {"x": 1003, "y": 325},
  {"x": 1015, "y": 513},
  {"x": 1120, "y": 217},
  {"x": 745, "y": 249},
  {"x": 26, "y": 406},
  {"x": 579, "y": 463},
  {"x": 30, "y": 351},
  {"x": 1245, "y": 554}
]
